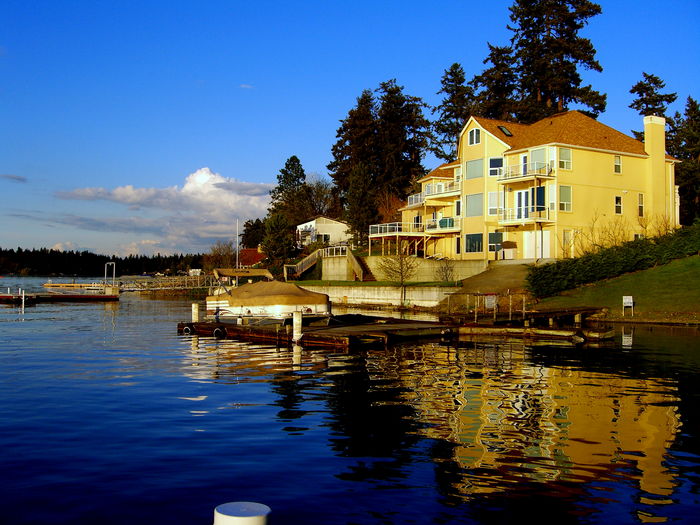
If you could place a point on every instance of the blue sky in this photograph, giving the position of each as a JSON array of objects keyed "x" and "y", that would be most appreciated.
[{"x": 153, "y": 126}]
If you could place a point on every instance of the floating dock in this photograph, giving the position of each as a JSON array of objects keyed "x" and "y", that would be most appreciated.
[
  {"x": 35, "y": 298},
  {"x": 342, "y": 331}
]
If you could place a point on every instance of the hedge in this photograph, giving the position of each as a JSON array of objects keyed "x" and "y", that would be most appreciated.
[{"x": 553, "y": 278}]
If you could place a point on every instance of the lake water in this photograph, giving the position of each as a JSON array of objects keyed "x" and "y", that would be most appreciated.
[{"x": 109, "y": 417}]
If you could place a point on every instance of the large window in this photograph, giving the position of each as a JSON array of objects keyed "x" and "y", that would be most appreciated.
[
  {"x": 495, "y": 166},
  {"x": 474, "y": 136},
  {"x": 618, "y": 204},
  {"x": 565, "y": 198},
  {"x": 473, "y": 242},
  {"x": 565, "y": 158},
  {"x": 475, "y": 169},
  {"x": 474, "y": 205}
]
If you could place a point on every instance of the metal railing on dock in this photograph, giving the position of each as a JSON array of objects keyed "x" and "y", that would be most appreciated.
[{"x": 183, "y": 282}]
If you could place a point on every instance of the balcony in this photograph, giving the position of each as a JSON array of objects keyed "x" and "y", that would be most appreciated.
[
  {"x": 436, "y": 189},
  {"x": 522, "y": 172},
  {"x": 525, "y": 215},
  {"x": 432, "y": 226}
]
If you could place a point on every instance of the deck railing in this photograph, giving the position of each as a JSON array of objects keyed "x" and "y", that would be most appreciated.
[
  {"x": 532, "y": 169},
  {"x": 525, "y": 214},
  {"x": 437, "y": 188}
]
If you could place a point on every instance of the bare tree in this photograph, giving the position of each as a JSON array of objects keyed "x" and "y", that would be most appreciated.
[
  {"x": 445, "y": 270},
  {"x": 399, "y": 268},
  {"x": 221, "y": 255}
]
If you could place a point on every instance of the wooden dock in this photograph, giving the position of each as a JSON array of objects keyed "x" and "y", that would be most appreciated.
[
  {"x": 35, "y": 298},
  {"x": 342, "y": 331}
]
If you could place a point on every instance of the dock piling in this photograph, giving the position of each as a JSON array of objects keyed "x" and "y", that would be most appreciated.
[
  {"x": 296, "y": 322},
  {"x": 241, "y": 513},
  {"x": 195, "y": 312}
]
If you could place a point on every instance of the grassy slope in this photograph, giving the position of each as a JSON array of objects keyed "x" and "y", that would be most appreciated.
[{"x": 669, "y": 292}]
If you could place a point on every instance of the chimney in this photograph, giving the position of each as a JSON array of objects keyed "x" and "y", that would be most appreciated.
[{"x": 656, "y": 183}]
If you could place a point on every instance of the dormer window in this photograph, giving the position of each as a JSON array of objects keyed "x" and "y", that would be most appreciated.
[{"x": 474, "y": 136}]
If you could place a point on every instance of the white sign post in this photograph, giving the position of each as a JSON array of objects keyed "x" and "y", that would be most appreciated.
[{"x": 627, "y": 302}]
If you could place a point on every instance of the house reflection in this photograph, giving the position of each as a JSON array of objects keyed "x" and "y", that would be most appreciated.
[{"x": 515, "y": 420}]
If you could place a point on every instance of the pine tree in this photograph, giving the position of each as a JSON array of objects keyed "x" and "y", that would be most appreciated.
[
  {"x": 549, "y": 52},
  {"x": 278, "y": 242},
  {"x": 289, "y": 179},
  {"x": 650, "y": 100},
  {"x": 357, "y": 143},
  {"x": 453, "y": 112},
  {"x": 361, "y": 209},
  {"x": 403, "y": 136},
  {"x": 496, "y": 87},
  {"x": 684, "y": 144},
  {"x": 253, "y": 232}
]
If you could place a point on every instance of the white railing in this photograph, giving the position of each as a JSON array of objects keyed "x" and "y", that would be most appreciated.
[
  {"x": 431, "y": 225},
  {"x": 436, "y": 188},
  {"x": 446, "y": 223},
  {"x": 395, "y": 227},
  {"x": 335, "y": 251},
  {"x": 525, "y": 214},
  {"x": 533, "y": 169}
]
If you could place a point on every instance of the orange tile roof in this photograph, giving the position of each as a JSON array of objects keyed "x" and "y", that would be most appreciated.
[
  {"x": 440, "y": 171},
  {"x": 572, "y": 127}
]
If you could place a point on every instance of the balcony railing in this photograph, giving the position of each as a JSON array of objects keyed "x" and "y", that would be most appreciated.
[
  {"x": 434, "y": 189},
  {"x": 526, "y": 214},
  {"x": 430, "y": 226},
  {"x": 446, "y": 223},
  {"x": 532, "y": 169}
]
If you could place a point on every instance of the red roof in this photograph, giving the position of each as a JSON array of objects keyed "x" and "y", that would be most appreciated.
[{"x": 249, "y": 256}]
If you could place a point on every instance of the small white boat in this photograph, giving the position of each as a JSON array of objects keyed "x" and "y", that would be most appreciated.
[{"x": 267, "y": 299}]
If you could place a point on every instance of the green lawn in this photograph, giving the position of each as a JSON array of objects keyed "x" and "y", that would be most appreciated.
[{"x": 662, "y": 292}]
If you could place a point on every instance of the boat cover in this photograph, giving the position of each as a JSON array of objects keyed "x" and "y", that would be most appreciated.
[{"x": 266, "y": 293}]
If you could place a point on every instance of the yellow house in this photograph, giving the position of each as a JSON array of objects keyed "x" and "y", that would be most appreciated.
[{"x": 556, "y": 188}]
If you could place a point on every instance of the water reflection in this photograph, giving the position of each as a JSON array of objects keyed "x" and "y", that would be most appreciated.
[{"x": 501, "y": 416}]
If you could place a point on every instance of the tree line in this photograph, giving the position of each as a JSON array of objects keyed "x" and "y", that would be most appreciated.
[{"x": 49, "y": 262}]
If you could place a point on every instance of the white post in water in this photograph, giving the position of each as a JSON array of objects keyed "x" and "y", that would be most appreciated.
[
  {"x": 241, "y": 513},
  {"x": 296, "y": 327},
  {"x": 195, "y": 312}
]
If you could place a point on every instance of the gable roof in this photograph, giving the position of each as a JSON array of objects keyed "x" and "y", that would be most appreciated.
[
  {"x": 441, "y": 171},
  {"x": 573, "y": 128}
]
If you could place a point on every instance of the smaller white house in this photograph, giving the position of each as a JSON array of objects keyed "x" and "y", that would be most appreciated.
[{"x": 323, "y": 229}]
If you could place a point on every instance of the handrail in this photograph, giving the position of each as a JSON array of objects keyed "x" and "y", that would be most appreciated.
[
  {"x": 532, "y": 169},
  {"x": 355, "y": 264},
  {"x": 525, "y": 213}
]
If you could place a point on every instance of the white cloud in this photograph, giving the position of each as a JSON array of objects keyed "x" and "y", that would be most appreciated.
[
  {"x": 246, "y": 86},
  {"x": 187, "y": 219}
]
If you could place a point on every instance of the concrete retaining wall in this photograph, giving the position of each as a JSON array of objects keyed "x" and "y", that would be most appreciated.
[
  {"x": 424, "y": 296},
  {"x": 429, "y": 269}
]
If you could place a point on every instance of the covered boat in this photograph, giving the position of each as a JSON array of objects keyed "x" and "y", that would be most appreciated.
[{"x": 267, "y": 299}]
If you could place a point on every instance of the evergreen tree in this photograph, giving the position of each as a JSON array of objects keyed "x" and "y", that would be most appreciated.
[
  {"x": 684, "y": 144},
  {"x": 357, "y": 143},
  {"x": 289, "y": 179},
  {"x": 650, "y": 100},
  {"x": 496, "y": 87},
  {"x": 290, "y": 196},
  {"x": 361, "y": 209},
  {"x": 549, "y": 52},
  {"x": 403, "y": 136},
  {"x": 278, "y": 242},
  {"x": 453, "y": 112},
  {"x": 253, "y": 232}
]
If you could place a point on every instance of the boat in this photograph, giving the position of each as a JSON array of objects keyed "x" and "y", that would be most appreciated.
[{"x": 266, "y": 299}]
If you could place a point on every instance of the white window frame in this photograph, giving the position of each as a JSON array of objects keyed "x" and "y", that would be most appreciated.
[
  {"x": 495, "y": 203},
  {"x": 497, "y": 171},
  {"x": 565, "y": 164},
  {"x": 566, "y": 206},
  {"x": 474, "y": 136},
  {"x": 640, "y": 205},
  {"x": 617, "y": 165},
  {"x": 618, "y": 204}
]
